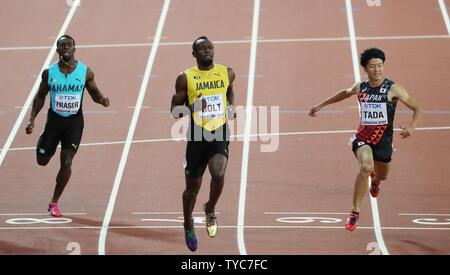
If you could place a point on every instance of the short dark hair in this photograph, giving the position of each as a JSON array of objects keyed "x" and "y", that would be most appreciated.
[
  {"x": 64, "y": 36},
  {"x": 195, "y": 45},
  {"x": 369, "y": 54}
]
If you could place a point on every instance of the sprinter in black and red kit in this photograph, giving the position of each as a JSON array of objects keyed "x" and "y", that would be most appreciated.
[{"x": 372, "y": 143}]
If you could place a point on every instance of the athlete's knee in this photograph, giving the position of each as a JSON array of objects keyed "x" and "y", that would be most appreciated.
[
  {"x": 381, "y": 177},
  {"x": 66, "y": 163},
  {"x": 42, "y": 161},
  {"x": 192, "y": 187},
  {"x": 189, "y": 194},
  {"x": 366, "y": 168},
  {"x": 217, "y": 166},
  {"x": 66, "y": 159},
  {"x": 217, "y": 174}
]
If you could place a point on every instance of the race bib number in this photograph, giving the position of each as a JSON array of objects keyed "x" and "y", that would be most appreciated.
[
  {"x": 67, "y": 103},
  {"x": 214, "y": 107},
  {"x": 373, "y": 113}
]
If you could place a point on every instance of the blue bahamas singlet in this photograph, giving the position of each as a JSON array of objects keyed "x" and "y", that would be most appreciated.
[{"x": 66, "y": 93}]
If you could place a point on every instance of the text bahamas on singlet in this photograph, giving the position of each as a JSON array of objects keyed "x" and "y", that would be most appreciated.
[{"x": 66, "y": 88}]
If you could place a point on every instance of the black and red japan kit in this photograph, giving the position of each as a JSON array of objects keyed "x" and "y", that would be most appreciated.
[{"x": 377, "y": 119}]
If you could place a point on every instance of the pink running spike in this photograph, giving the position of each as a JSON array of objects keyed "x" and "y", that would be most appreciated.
[{"x": 53, "y": 209}]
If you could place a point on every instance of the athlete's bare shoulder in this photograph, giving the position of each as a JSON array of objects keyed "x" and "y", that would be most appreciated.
[
  {"x": 44, "y": 87},
  {"x": 231, "y": 74},
  {"x": 397, "y": 92},
  {"x": 397, "y": 87},
  {"x": 89, "y": 74},
  {"x": 44, "y": 74},
  {"x": 181, "y": 78},
  {"x": 181, "y": 83}
]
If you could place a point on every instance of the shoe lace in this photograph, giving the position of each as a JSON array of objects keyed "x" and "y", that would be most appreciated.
[
  {"x": 375, "y": 186},
  {"x": 190, "y": 235},
  {"x": 54, "y": 208},
  {"x": 353, "y": 219},
  {"x": 211, "y": 219}
]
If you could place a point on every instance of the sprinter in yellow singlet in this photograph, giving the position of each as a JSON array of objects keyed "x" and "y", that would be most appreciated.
[{"x": 206, "y": 91}]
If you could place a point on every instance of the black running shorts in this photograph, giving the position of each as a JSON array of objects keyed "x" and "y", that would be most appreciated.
[
  {"x": 198, "y": 154},
  {"x": 67, "y": 130},
  {"x": 382, "y": 151}
]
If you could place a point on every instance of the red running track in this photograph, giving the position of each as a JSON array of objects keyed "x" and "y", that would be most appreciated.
[{"x": 296, "y": 197}]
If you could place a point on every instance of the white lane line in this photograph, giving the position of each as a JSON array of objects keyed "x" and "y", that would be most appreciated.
[
  {"x": 304, "y": 213},
  {"x": 413, "y": 214},
  {"x": 39, "y": 214},
  {"x": 126, "y": 149},
  {"x": 373, "y": 202},
  {"x": 445, "y": 15},
  {"x": 401, "y": 37},
  {"x": 285, "y": 40},
  {"x": 168, "y": 213},
  {"x": 248, "y": 124},
  {"x": 232, "y": 137},
  {"x": 35, "y": 87},
  {"x": 222, "y": 226},
  {"x": 25, "y": 48},
  {"x": 351, "y": 30}
]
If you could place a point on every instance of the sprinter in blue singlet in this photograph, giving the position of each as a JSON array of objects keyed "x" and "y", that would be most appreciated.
[{"x": 65, "y": 80}]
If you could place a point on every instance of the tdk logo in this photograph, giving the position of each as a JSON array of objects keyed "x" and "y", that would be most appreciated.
[
  {"x": 213, "y": 98},
  {"x": 67, "y": 97},
  {"x": 372, "y": 105}
]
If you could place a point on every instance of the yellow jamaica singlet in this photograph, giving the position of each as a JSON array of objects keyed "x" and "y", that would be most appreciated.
[{"x": 213, "y": 85}]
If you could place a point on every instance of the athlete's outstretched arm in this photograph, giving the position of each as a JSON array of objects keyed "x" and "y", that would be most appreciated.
[
  {"x": 93, "y": 90},
  {"x": 339, "y": 96},
  {"x": 38, "y": 101},
  {"x": 230, "y": 93},
  {"x": 397, "y": 91}
]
